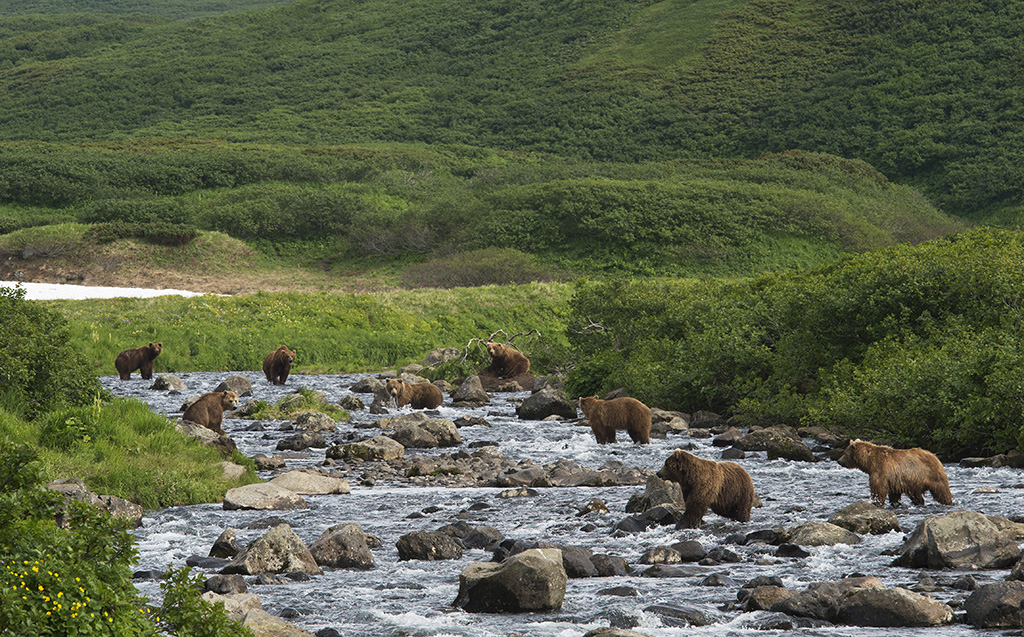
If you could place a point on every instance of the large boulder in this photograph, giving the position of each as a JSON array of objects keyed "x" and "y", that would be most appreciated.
[
  {"x": 891, "y": 607},
  {"x": 428, "y": 434},
  {"x": 779, "y": 441},
  {"x": 237, "y": 383},
  {"x": 376, "y": 448},
  {"x": 207, "y": 437},
  {"x": 996, "y": 605},
  {"x": 75, "y": 489},
  {"x": 865, "y": 518},
  {"x": 264, "y": 497},
  {"x": 343, "y": 546},
  {"x": 657, "y": 492},
  {"x": 310, "y": 482},
  {"x": 279, "y": 551},
  {"x": 369, "y": 385},
  {"x": 302, "y": 441},
  {"x": 428, "y": 545},
  {"x": 263, "y": 624},
  {"x": 471, "y": 393},
  {"x": 315, "y": 422},
  {"x": 533, "y": 580},
  {"x": 168, "y": 382},
  {"x": 546, "y": 402},
  {"x": 820, "y": 534},
  {"x": 961, "y": 539}
]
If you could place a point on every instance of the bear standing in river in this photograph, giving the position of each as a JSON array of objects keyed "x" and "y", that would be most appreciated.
[
  {"x": 208, "y": 411},
  {"x": 506, "y": 361},
  {"x": 724, "y": 487},
  {"x": 625, "y": 414},
  {"x": 277, "y": 364},
  {"x": 140, "y": 358},
  {"x": 419, "y": 395},
  {"x": 894, "y": 472}
]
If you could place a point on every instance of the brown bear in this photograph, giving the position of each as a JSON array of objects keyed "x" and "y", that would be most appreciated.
[
  {"x": 624, "y": 413},
  {"x": 277, "y": 364},
  {"x": 208, "y": 411},
  {"x": 506, "y": 361},
  {"x": 894, "y": 472},
  {"x": 725, "y": 487},
  {"x": 140, "y": 358},
  {"x": 419, "y": 395}
]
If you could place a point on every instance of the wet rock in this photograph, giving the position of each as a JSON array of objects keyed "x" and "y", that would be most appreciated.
[
  {"x": 892, "y": 607},
  {"x": 678, "y": 615},
  {"x": 342, "y": 546},
  {"x": 865, "y": 518},
  {"x": 262, "y": 623},
  {"x": 533, "y": 580},
  {"x": 428, "y": 545},
  {"x": 265, "y": 463},
  {"x": 733, "y": 453},
  {"x": 310, "y": 482},
  {"x": 577, "y": 562},
  {"x": 614, "y": 632},
  {"x": 610, "y": 565},
  {"x": 779, "y": 441},
  {"x": 226, "y": 545},
  {"x": 470, "y": 421},
  {"x": 818, "y": 601},
  {"x": 596, "y": 505},
  {"x": 302, "y": 441},
  {"x": 376, "y": 448},
  {"x": 657, "y": 491},
  {"x": 518, "y": 493},
  {"x": 791, "y": 550},
  {"x": 728, "y": 438},
  {"x": 368, "y": 385},
  {"x": 237, "y": 383},
  {"x": 264, "y": 496},
  {"x": 223, "y": 444},
  {"x": 348, "y": 402},
  {"x": 690, "y": 551},
  {"x": 428, "y": 434},
  {"x": 280, "y": 550},
  {"x": 763, "y": 597},
  {"x": 546, "y": 402},
  {"x": 226, "y": 584},
  {"x": 315, "y": 422},
  {"x": 168, "y": 382},
  {"x": 961, "y": 539},
  {"x": 820, "y": 534},
  {"x": 661, "y": 555},
  {"x": 236, "y": 604},
  {"x": 482, "y": 537},
  {"x": 471, "y": 393},
  {"x": 665, "y": 571},
  {"x": 718, "y": 579},
  {"x": 996, "y": 605}
]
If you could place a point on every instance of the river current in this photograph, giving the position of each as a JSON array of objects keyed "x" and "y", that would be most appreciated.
[{"x": 400, "y": 598}]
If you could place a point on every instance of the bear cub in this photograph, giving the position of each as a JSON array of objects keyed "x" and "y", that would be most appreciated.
[
  {"x": 140, "y": 358},
  {"x": 208, "y": 411},
  {"x": 277, "y": 364}
]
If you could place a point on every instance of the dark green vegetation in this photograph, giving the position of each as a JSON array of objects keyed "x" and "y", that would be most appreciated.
[
  {"x": 329, "y": 332},
  {"x": 920, "y": 345},
  {"x": 180, "y": 9},
  {"x": 923, "y": 91},
  {"x": 77, "y": 580},
  {"x": 366, "y": 206}
]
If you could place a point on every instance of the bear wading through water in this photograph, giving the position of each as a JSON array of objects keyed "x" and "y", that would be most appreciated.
[
  {"x": 419, "y": 395},
  {"x": 724, "y": 487},
  {"x": 893, "y": 473},
  {"x": 622, "y": 414},
  {"x": 277, "y": 364}
]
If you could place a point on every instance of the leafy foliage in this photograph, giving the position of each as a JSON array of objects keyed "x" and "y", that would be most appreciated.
[{"x": 918, "y": 344}]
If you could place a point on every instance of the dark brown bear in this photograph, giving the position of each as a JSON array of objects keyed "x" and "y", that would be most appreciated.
[
  {"x": 419, "y": 395},
  {"x": 724, "y": 487},
  {"x": 208, "y": 411},
  {"x": 624, "y": 414},
  {"x": 277, "y": 364},
  {"x": 506, "y": 361},
  {"x": 140, "y": 359},
  {"x": 894, "y": 472}
]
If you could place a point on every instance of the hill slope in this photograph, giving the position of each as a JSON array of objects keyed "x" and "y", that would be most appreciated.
[{"x": 922, "y": 91}]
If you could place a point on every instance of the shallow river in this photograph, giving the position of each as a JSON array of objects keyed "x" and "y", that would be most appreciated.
[{"x": 414, "y": 597}]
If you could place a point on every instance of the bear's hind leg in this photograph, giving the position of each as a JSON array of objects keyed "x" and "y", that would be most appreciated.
[{"x": 692, "y": 516}]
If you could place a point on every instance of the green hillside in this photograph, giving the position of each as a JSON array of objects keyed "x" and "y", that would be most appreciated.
[{"x": 925, "y": 92}]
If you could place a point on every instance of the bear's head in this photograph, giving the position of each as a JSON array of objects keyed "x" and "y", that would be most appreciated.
[
  {"x": 229, "y": 400},
  {"x": 394, "y": 386},
  {"x": 586, "y": 404},
  {"x": 290, "y": 353},
  {"x": 856, "y": 454},
  {"x": 154, "y": 350},
  {"x": 677, "y": 466}
]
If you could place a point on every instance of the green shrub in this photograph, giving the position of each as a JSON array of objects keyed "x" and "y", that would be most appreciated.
[
  {"x": 185, "y": 613},
  {"x": 489, "y": 266},
  {"x": 157, "y": 232}
]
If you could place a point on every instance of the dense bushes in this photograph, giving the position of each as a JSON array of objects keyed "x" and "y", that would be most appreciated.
[
  {"x": 490, "y": 266},
  {"x": 917, "y": 344}
]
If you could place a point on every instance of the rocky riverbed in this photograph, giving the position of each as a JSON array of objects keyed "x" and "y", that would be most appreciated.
[{"x": 532, "y": 481}]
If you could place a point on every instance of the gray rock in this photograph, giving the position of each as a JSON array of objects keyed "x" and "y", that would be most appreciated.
[
  {"x": 961, "y": 539},
  {"x": 546, "y": 402},
  {"x": 680, "y": 616},
  {"x": 429, "y": 434},
  {"x": 376, "y": 448},
  {"x": 280, "y": 550},
  {"x": 226, "y": 546},
  {"x": 226, "y": 584},
  {"x": 368, "y": 385},
  {"x": 301, "y": 442},
  {"x": 865, "y": 518},
  {"x": 343, "y": 546},
  {"x": 996, "y": 605},
  {"x": 75, "y": 489},
  {"x": 891, "y": 607},
  {"x": 820, "y": 534},
  {"x": 614, "y": 632},
  {"x": 262, "y": 623},
  {"x": 657, "y": 492},
  {"x": 818, "y": 601},
  {"x": 533, "y": 580},
  {"x": 441, "y": 355},
  {"x": 351, "y": 403},
  {"x": 310, "y": 482},
  {"x": 428, "y": 545},
  {"x": 661, "y": 555},
  {"x": 316, "y": 422},
  {"x": 610, "y": 565},
  {"x": 779, "y": 441},
  {"x": 471, "y": 392},
  {"x": 264, "y": 497},
  {"x": 168, "y": 382},
  {"x": 237, "y": 383}
]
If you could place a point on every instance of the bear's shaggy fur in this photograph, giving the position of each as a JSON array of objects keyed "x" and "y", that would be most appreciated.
[
  {"x": 419, "y": 395},
  {"x": 277, "y": 364},
  {"x": 725, "y": 487},
  {"x": 208, "y": 411},
  {"x": 506, "y": 361},
  {"x": 140, "y": 358},
  {"x": 628, "y": 414},
  {"x": 894, "y": 472}
]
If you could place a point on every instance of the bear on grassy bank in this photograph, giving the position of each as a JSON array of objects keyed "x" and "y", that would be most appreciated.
[
  {"x": 277, "y": 364},
  {"x": 624, "y": 414},
  {"x": 208, "y": 411},
  {"x": 419, "y": 395},
  {"x": 724, "y": 487},
  {"x": 895, "y": 472},
  {"x": 140, "y": 358},
  {"x": 506, "y": 361}
]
